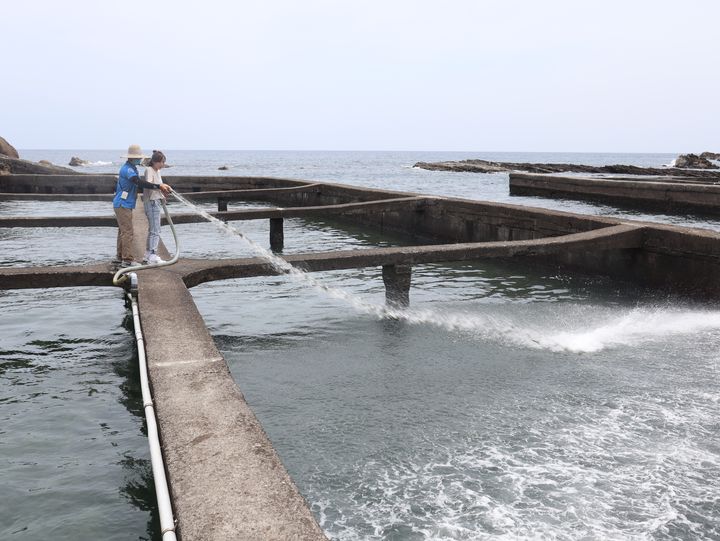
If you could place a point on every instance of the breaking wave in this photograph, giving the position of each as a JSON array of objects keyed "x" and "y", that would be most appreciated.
[{"x": 93, "y": 164}]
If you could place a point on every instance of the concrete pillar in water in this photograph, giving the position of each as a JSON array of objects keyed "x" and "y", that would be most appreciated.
[
  {"x": 277, "y": 237},
  {"x": 222, "y": 205},
  {"x": 397, "y": 285}
]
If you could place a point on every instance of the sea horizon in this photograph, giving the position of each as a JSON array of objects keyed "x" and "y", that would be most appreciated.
[{"x": 613, "y": 152}]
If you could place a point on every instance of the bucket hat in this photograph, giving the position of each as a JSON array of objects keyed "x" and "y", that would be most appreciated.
[{"x": 134, "y": 151}]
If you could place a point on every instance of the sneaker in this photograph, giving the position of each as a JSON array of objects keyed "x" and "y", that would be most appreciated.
[
  {"x": 154, "y": 259},
  {"x": 126, "y": 264}
]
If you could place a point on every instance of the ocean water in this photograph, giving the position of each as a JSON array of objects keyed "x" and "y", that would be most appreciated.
[
  {"x": 389, "y": 170},
  {"x": 510, "y": 403}
]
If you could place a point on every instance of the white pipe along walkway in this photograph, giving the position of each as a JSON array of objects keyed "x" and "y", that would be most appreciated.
[{"x": 167, "y": 521}]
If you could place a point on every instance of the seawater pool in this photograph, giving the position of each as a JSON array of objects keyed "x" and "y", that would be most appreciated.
[
  {"x": 518, "y": 403},
  {"x": 75, "y": 460},
  {"x": 607, "y": 430}
]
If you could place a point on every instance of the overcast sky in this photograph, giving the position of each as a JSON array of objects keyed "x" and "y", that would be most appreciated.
[{"x": 515, "y": 75}]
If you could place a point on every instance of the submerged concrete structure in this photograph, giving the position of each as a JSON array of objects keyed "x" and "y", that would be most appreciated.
[{"x": 226, "y": 479}]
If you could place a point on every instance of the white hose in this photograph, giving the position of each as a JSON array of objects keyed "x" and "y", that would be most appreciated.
[
  {"x": 120, "y": 277},
  {"x": 167, "y": 522}
]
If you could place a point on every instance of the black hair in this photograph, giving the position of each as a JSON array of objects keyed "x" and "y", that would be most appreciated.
[{"x": 157, "y": 157}]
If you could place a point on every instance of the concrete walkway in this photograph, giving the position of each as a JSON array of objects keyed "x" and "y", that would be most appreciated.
[
  {"x": 196, "y": 271},
  {"x": 226, "y": 479},
  {"x": 666, "y": 194}
]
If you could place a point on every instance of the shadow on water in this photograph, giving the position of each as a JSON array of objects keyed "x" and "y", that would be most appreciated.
[{"x": 139, "y": 488}]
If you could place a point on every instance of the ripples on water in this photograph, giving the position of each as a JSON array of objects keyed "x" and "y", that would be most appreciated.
[
  {"x": 75, "y": 463},
  {"x": 475, "y": 417},
  {"x": 510, "y": 403},
  {"x": 409, "y": 431}
]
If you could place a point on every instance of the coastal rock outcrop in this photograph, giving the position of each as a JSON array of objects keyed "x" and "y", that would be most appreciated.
[
  {"x": 223, "y": 168},
  {"x": 485, "y": 166},
  {"x": 77, "y": 162},
  {"x": 6, "y": 149},
  {"x": 11, "y": 163},
  {"x": 26, "y": 167},
  {"x": 710, "y": 155},
  {"x": 693, "y": 161}
]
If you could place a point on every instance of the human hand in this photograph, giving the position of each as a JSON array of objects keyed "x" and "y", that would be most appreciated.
[{"x": 165, "y": 188}]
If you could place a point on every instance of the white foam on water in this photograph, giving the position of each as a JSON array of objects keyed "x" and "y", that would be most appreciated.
[
  {"x": 602, "y": 476},
  {"x": 631, "y": 328},
  {"x": 627, "y": 329},
  {"x": 93, "y": 164},
  {"x": 637, "y": 467}
]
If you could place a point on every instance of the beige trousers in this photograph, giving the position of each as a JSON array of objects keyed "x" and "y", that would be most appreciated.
[{"x": 125, "y": 234}]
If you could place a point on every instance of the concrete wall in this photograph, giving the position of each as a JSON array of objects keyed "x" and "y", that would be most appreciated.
[
  {"x": 674, "y": 258},
  {"x": 441, "y": 219},
  {"x": 447, "y": 219},
  {"x": 53, "y": 184},
  {"x": 679, "y": 259},
  {"x": 668, "y": 195},
  {"x": 92, "y": 184}
]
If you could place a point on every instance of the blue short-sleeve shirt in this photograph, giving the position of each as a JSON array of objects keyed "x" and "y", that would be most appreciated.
[{"x": 125, "y": 190}]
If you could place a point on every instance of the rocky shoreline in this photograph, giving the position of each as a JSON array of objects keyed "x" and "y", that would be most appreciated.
[
  {"x": 709, "y": 170},
  {"x": 18, "y": 166},
  {"x": 11, "y": 163}
]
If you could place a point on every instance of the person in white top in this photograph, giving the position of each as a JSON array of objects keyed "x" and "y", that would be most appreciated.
[{"x": 153, "y": 206}]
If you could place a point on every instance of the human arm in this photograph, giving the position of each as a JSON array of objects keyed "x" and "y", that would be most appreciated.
[
  {"x": 140, "y": 183},
  {"x": 153, "y": 176}
]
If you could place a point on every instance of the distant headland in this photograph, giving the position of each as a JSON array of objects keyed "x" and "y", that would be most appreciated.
[{"x": 686, "y": 165}]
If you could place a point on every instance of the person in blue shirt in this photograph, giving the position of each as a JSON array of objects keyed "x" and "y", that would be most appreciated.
[{"x": 126, "y": 192}]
